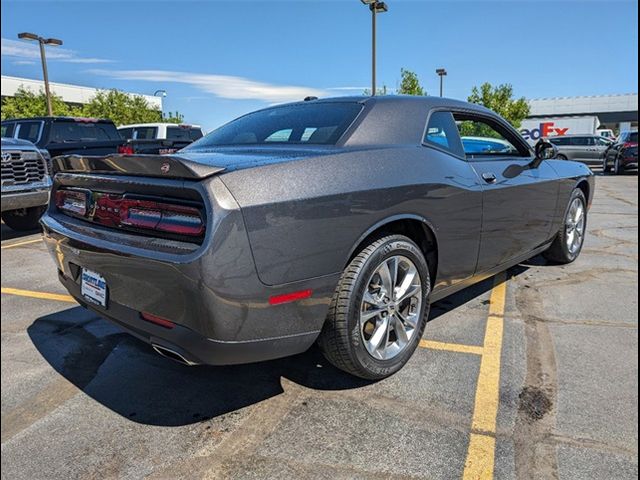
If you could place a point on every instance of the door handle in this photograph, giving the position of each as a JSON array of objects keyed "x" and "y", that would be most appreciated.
[{"x": 489, "y": 177}]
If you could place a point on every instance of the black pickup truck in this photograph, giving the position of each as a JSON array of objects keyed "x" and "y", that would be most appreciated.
[{"x": 66, "y": 135}]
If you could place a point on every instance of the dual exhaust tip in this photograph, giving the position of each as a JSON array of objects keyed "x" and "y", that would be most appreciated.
[{"x": 173, "y": 355}]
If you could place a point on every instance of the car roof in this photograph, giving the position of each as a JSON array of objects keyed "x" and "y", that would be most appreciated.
[
  {"x": 427, "y": 101},
  {"x": 58, "y": 118},
  {"x": 160, "y": 124}
]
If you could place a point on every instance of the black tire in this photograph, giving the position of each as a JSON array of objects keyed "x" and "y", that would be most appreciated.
[
  {"x": 617, "y": 169},
  {"x": 23, "y": 219},
  {"x": 605, "y": 165},
  {"x": 558, "y": 251},
  {"x": 561, "y": 157},
  {"x": 340, "y": 340}
]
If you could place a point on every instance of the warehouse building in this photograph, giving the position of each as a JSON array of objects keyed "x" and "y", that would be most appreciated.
[
  {"x": 618, "y": 112},
  {"x": 74, "y": 95}
]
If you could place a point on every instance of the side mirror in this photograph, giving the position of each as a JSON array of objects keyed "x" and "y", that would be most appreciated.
[{"x": 544, "y": 150}]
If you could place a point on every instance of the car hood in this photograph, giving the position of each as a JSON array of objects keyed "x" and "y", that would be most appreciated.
[{"x": 15, "y": 142}]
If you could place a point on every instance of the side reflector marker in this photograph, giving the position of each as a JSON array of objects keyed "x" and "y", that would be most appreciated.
[
  {"x": 289, "y": 297},
  {"x": 163, "y": 322}
]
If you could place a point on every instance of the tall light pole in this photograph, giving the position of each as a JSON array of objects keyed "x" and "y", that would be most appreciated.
[
  {"x": 42, "y": 42},
  {"x": 376, "y": 7},
  {"x": 441, "y": 73}
]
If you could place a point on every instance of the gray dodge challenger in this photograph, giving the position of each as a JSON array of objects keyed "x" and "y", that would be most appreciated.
[{"x": 334, "y": 221}]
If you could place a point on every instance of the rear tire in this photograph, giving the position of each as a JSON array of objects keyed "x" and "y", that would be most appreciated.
[
  {"x": 351, "y": 333},
  {"x": 617, "y": 169},
  {"x": 23, "y": 219},
  {"x": 569, "y": 241}
]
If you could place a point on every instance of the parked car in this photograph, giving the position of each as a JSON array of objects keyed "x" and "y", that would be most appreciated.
[
  {"x": 158, "y": 138},
  {"x": 66, "y": 135},
  {"x": 623, "y": 154},
  {"x": 589, "y": 149},
  {"x": 334, "y": 220},
  {"x": 606, "y": 133},
  {"x": 26, "y": 182}
]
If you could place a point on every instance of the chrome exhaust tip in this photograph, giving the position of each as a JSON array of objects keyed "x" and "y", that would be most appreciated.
[{"x": 172, "y": 354}]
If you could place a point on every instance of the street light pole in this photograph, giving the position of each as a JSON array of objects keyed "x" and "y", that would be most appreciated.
[
  {"x": 45, "y": 75},
  {"x": 376, "y": 7},
  {"x": 441, "y": 73}
]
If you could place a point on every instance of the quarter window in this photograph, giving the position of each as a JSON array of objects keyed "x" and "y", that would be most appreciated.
[{"x": 443, "y": 133}]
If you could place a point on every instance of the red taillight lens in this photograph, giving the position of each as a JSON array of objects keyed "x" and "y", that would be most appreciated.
[
  {"x": 113, "y": 210},
  {"x": 72, "y": 201},
  {"x": 164, "y": 217},
  {"x": 629, "y": 145},
  {"x": 125, "y": 150}
]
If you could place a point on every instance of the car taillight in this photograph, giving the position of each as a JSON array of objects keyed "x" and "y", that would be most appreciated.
[
  {"x": 630, "y": 145},
  {"x": 114, "y": 210},
  {"x": 73, "y": 202},
  {"x": 163, "y": 217},
  {"x": 125, "y": 150}
]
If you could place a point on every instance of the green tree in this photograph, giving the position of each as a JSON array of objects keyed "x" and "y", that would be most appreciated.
[
  {"x": 121, "y": 108},
  {"x": 379, "y": 91},
  {"x": 500, "y": 99},
  {"x": 26, "y": 103},
  {"x": 409, "y": 84}
]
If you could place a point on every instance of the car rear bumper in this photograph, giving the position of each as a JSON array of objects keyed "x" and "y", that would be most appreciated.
[
  {"x": 28, "y": 199},
  {"x": 221, "y": 310},
  {"x": 190, "y": 347}
]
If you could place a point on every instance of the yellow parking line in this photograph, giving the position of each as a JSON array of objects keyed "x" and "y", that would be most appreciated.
[
  {"x": 42, "y": 295},
  {"x": 451, "y": 347},
  {"x": 19, "y": 244},
  {"x": 482, "y": 444}
]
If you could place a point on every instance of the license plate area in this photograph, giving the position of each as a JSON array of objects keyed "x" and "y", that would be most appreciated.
[{"x": 93, "y": 287}]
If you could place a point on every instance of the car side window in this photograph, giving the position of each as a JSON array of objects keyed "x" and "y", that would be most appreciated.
[
  {"x": 580, "y": 141},
  {"x": 559, "y": 141},
  {"x": 443, "y": 133},
  {"x": 482, "y": 137}
]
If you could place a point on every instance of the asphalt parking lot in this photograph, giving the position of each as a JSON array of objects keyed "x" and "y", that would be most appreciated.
[{"x": 537, "y": 368}]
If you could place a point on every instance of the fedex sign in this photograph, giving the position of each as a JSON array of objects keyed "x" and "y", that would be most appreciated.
[{"x": 545, "y": 129}]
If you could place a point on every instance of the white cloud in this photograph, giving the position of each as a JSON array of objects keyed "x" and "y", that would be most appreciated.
[
  {"x": 224, "y": 86},
  {"x": 29, "y": 51}
]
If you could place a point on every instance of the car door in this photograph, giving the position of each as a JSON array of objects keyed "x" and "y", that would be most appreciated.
[
  {"x": 519, "y": 199},
  {"x": 581, "y": 149}
]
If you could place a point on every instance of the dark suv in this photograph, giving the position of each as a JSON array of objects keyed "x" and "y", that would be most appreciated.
[{"x": 622, "y": 155}]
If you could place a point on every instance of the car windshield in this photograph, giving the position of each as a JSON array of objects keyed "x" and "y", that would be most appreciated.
[{"x": 313, "y": 123}]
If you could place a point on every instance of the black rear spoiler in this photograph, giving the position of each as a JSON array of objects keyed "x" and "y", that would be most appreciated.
[{"x": 164, "y": 166}]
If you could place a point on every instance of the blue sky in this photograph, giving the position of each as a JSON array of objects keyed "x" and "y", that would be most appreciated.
[{"x": 219, "y": 59}]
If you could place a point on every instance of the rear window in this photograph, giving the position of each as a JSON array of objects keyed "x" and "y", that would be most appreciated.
[
  {"x": 83, "y": 132},
  {"x": 29, "y": 131},
  {"x": 319, "y": 124},
  {"x": 145, "y": 133},
  {"x": 633, "y": 137},
  {"x": 183, "y": 133},
  {"x": 126, "y": 133}
]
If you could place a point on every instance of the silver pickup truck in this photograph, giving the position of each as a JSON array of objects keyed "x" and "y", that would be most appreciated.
[{"x": 26, "y": 182}]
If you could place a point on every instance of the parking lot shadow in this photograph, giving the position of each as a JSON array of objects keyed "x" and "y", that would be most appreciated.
[{"x": 125, "y": 375}]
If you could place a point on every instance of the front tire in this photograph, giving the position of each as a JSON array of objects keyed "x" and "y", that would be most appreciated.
[
  {"x": 569, "y": 241},
  {"x": 379, "y": 310},
  {"x": 23, "y": 219}
]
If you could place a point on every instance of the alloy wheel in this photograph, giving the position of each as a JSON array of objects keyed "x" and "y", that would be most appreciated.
[
  {"x": 390, "y": 309},
  {"x": 574, "y": 225}
]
